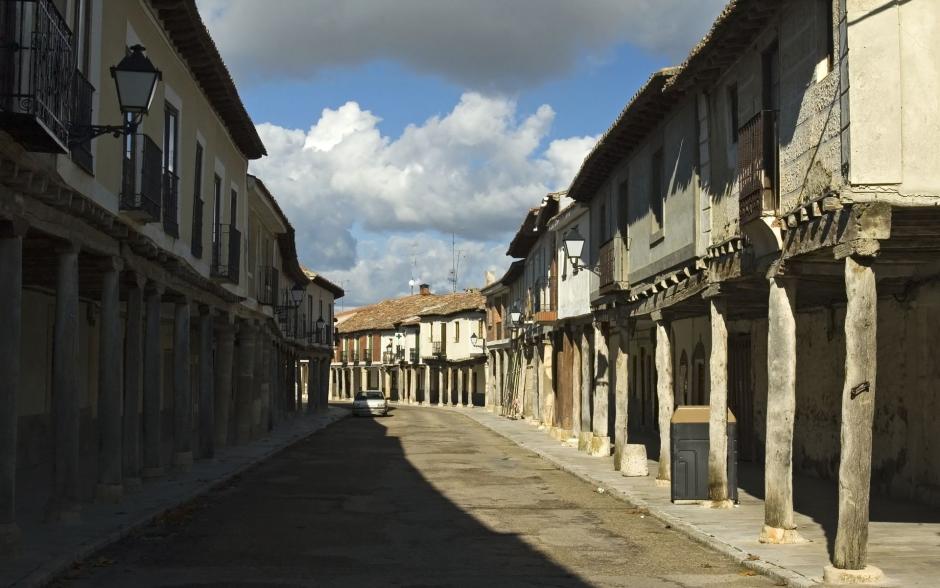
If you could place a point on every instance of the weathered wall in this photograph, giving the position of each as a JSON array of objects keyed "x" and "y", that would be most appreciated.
[{"x": 574, "y": 289}]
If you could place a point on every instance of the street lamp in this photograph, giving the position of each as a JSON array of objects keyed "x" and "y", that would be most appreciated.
[
  {"x": 515, "y": 316},
  {"x": 297, "y": 294},
  {"x": 574, "y": 245},
  {"x": 135, "y": 79},
  {"x": 319, "y": 325}
]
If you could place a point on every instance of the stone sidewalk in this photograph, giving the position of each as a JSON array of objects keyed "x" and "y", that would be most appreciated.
[
  {"x": 47, "y": 550},
  {"x": 901, "y": 543}
]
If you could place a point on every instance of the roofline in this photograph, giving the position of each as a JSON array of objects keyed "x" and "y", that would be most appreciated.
[{"x": 191, "y": 38}]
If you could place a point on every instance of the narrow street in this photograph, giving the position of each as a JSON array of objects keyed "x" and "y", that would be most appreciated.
[{"x": 424, "y": 497}]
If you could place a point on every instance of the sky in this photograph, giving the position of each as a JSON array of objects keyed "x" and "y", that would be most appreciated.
[{"x": 395, "y": 129}]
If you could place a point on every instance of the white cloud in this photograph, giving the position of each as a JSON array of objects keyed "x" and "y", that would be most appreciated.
[
  {"x": 472, "y": 172},
  {"x": 479, "y": 44}
]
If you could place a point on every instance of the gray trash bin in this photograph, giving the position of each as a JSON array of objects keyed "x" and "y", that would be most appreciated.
[{"x": 689, "y": 444}]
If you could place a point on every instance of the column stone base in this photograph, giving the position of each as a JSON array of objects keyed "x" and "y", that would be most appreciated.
[
  {"x": 183, "y": 461},
  {"x": 718, "y": 504},
  {"x": 584, "y": 440},
  {"x": 840, "y": 577},
  {"x": 600, "y": 446},
  {"x": 633, "y": 462},
  {"x": 663, "y": 482},
  {"x": 778, "y": 536},
  {"x": 153, "y": 472},
  {"x": 109, "y": 493},
  {"x": 132, "y": 484},
  {"x": 9, "y": 539}
]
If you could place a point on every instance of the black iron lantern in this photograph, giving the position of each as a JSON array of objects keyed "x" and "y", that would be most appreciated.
[
  {"x": 297, "y": 294},
  {"x": 574, "y": 246},
  {"x": 136, "y": 80}
]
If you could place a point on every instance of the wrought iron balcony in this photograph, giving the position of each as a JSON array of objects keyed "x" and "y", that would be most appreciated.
[
  {"x": 171, "y": 184},
  {"x": 613, "y": 266},
  {"x": 355, "y": 357},
  {"x": 388, "y": 357},
  {"x": 438, "y": 348},
  {"x": 757, "y": 166},
  {"x": 37, "y": 66},
  {"x": 226, "y": 253},
  {"x": 413, "y": 356},
  {"x": 82, "y": 97},
  {"x": 142, "y": 179},
  {"x": 267, "y": 285}
]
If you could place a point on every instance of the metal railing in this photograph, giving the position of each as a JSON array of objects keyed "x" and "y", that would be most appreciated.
[
  {"x": 355, "y": 357},
  {"x": 267, "y": 285},
  {"x": 367, "y": 356},
  {"x": 141, "y": 182},
  {"x": 226, "y": 253},
  {"x": 757, "y": 166},
  {"x": 82, "y": 98},
  {"x": 344, "y": 356},
  {"x": 438, "y": 348},
  {"x": 37, "y": 66},
  {"x": 413, "y": 356},
  {"x": 196, "y": 241},
  {"x": 171, "y": 184}
]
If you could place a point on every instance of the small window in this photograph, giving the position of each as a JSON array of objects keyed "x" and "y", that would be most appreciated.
[
  {"x": 216, "y": 208},
  {"x": 456, "y": 331},
  {"x": 825, "y": 38}
]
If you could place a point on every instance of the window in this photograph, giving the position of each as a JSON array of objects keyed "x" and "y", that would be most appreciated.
[
  {"x": 825, "y": 39},
  {"x": 233, "y": 209},
  {"x": 170, "y": 138},
  {"x": 456, "y": 331},
  {"x": 657, "y": 195},
  {"x": 733, "y": 113},
  {"x": 197, "y": 204},
  {"x": 624, "y": 205},
  {"x": 216, "y": 207}
]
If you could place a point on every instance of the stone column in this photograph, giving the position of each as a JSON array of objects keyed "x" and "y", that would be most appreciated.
[
  {"x": 413, "y": 389},
  {"x": 259, "y": 387},
  {"x": 399, "y": 382},
  {"x": 548, "y": 383},
  {"x": 779, "y": 526},
  {"x": 587, "y": 433},
  {"x": 325, "y": 384},
  {"x": 222, "y": 388},
  {"x": 619, "y": 362},
  {"x": 497, "y": 382},
  {"x": 313, "y": 387},
  {"x": 440, "y": 386},
  {"x": 64, "y": 504},
  {"x": 153, "y": 384},
  {"x": 110, "y": 374},
  {"x": 858, "y": 406},
  {"x": 133, "y": 361},
  {"x": 11, "y": 316},
  {"x": 246, "y": 382},
  {"x": 206, "y": 384},
  {"x": 457, "y": 399},
  {"x": 718, "y": 407},
  {"x": 600, "y": 442},
  {"x": 426, "y": 375},
  {"x": 665, "y": 396},
  {"x": 182, "y": 390}
]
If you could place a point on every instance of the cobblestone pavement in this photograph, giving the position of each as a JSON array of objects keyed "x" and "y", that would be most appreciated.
[{"x": 423, "y": 497}]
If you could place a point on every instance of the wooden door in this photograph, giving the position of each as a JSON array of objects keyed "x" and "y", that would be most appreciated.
[{"x": 741, "y": 393}]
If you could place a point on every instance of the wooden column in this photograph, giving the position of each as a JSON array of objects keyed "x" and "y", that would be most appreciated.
[
  {"x": 153, "y": 383},
  {"x": 587, "y": 432},
  {"x": 858, "y": 406},
  {"x": 665, "y": 397},
  {"x": 182, "y": 388},
  {"x": 781, "y": 407},
  {"x": 246, "y": 372},
  {"x": 718, "y": 406},
  {"x": 576, "y": 384},
  {"x": 206, "y": 383}
]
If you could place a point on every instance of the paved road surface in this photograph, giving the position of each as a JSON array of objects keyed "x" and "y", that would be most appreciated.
[{"x": 425, "y": 497}]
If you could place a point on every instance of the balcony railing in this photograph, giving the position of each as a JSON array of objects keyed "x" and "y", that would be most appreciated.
[
  {"x": 367, "y": 356},
  {"x": 344, "y": 356},
  {"x": 388, "y": 357},
  {"x": 82, "y": 97},
  {"x": 413, "y": 356},
  {"x": 37, "y": 65},
  {"x": 226, "y": 253},
  {"x": 171, "y": 184},
  {"x": 496, "y": 331},
  {"x": 141, "y": 183},
  {"x": 196, "y": 244},
  {"x": 612, "y": 266},
  {"x": 267, "y": 285},
  {"x": 438, "y": 348},
  {"x": 757, "y": 166},
  {"x": 355, "y": 357}
]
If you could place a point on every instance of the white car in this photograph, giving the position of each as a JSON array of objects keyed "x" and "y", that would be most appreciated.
[{"x": 370, "y": 402}]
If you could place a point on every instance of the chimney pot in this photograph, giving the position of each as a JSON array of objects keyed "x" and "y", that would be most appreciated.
[{"x": 425, "y": 289}]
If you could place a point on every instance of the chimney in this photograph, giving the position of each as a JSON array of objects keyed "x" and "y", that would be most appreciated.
[
  {"x": 425, "y": 289},
  {"x": 488, "y": 278}
]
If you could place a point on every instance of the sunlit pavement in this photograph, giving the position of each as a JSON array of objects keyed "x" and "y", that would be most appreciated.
[{"x": 422, "y": 497}]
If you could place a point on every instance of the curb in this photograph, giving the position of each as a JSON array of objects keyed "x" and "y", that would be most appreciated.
[
  {"x": 56, "y": 567},
  {"x": 773, "y": 571}
]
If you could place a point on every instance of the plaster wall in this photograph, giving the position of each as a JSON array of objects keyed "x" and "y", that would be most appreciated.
[
  {"x": 574, "y": 289},
  {"x": 894, "y": 95},
  {"x": 117, "y": 24}
]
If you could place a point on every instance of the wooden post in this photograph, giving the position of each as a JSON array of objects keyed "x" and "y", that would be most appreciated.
[
  {"x": 718, "y": 407},
  {"x": 781, "y": 406},
  {"x": 665, "y": 397},
  {"x": 587, "y": 433},
  {"x": 858, "y": 406}
]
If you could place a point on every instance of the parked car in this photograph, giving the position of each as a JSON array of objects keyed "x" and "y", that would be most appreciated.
[{"x": 370, "y": 402}]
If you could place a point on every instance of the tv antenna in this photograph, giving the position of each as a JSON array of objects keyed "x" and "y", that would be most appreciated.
[{"x": 455, "y": 255}]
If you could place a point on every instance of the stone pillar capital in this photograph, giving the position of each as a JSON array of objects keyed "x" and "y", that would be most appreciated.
[
  {"x": 111, "y": 263},
  {"x": 155, "y": 288}
]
